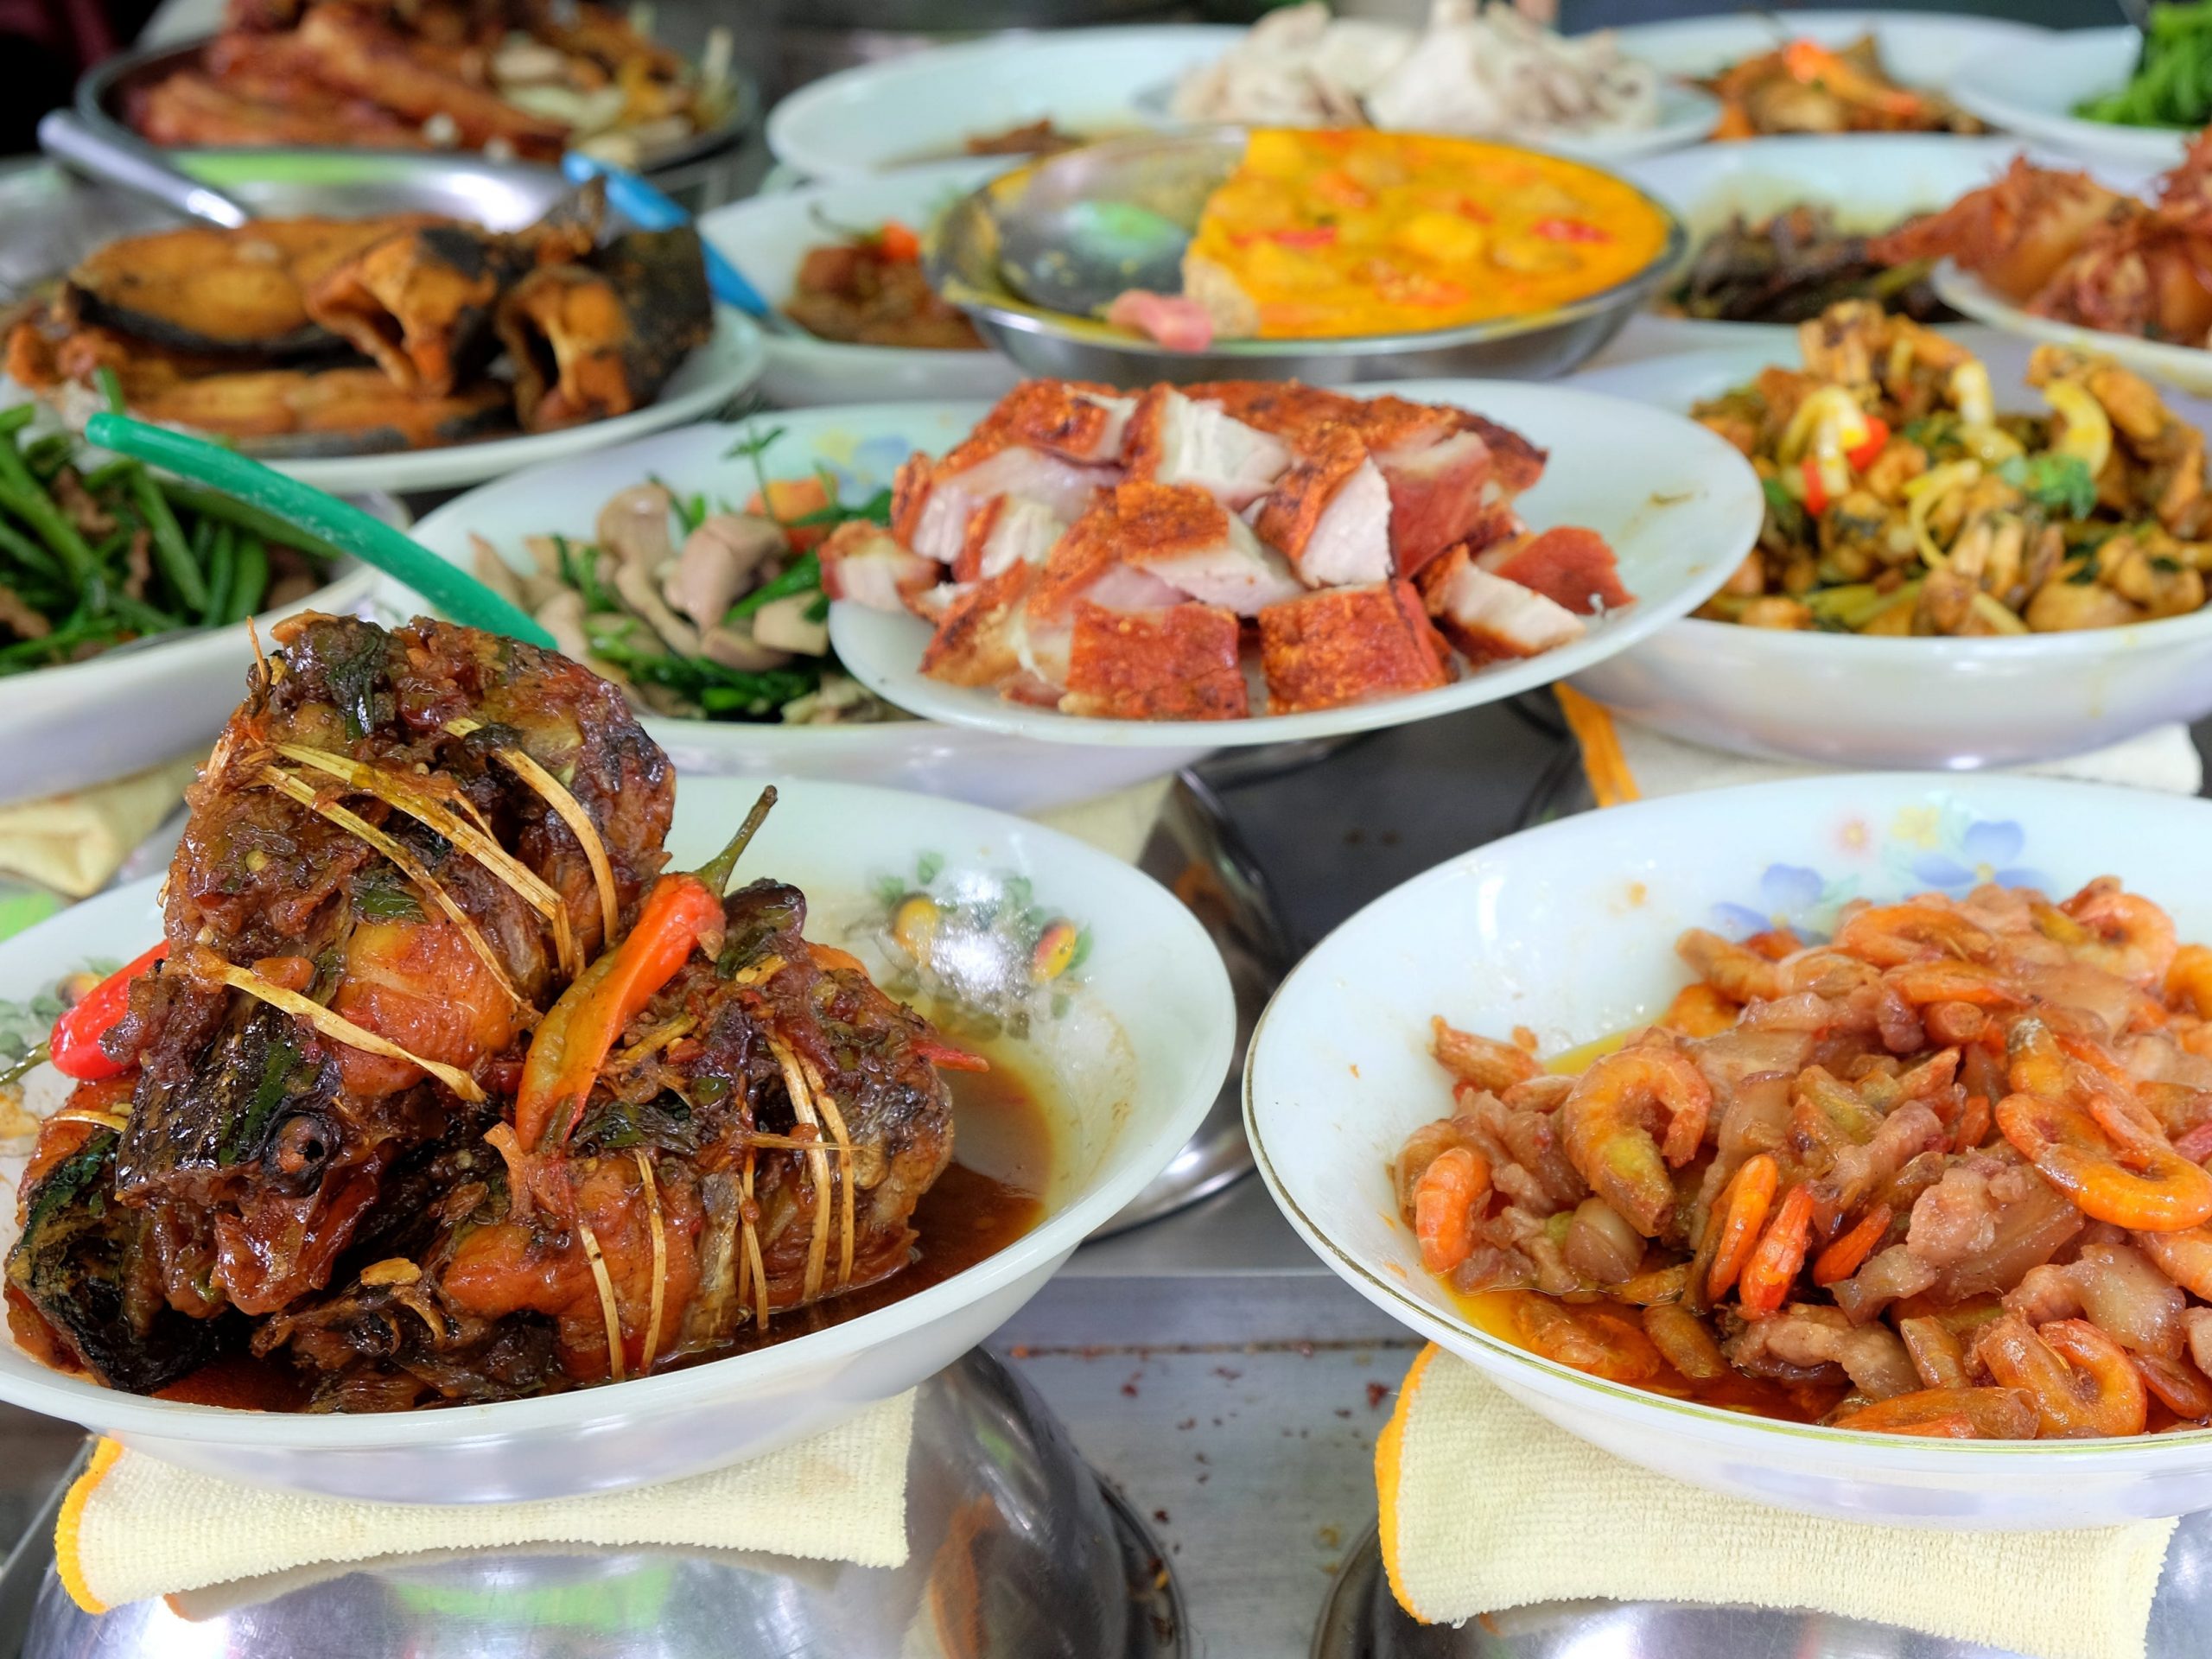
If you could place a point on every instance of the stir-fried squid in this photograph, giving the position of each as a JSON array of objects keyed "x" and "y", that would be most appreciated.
[
  {"x": 1942, "y": 1174},
  {"x": 443, "y": 1090}
]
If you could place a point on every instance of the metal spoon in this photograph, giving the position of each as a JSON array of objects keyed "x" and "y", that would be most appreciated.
[{"x": 138, "y": 168}]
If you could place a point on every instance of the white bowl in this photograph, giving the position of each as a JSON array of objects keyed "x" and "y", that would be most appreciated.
[
  {"x": 2030, "y": 87},
  {"x": 863, "y": 446},
  {"x": 1133, "y": 1064},
  {"x": 1569, "y": 929},
  {"x": 766, "y": 237},
  {"x": 727, "y": 365},
  {"x": 1918, "y": 49},
  {"x": 1847, "y": 700},
  {"x": 121, "y": 711},
  {"x": 924, "y": 107},
  {"x": 1680, "y": 507}
]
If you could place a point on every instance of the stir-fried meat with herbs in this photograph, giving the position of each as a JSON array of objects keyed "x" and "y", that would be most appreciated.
[
  {"x": 1809, "y": 87},
  {"x": 869, "y": 288},
  {"x": 1795, "y": 265},
  {"x": 356, "y": 1125},
  {"x": 1899, "y": 501},
  {"x": 1941, "y": 1174}
]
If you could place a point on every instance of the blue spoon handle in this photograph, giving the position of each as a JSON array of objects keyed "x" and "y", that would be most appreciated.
[{"x": 645, "y": 206}]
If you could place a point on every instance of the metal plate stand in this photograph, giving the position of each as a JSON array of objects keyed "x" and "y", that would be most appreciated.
[
  {"x": 1018, "y": 1552},
  {"x": 1361, "y": 1620}
]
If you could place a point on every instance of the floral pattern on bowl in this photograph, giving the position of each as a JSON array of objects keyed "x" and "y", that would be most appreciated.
[{"x": 1940, "y": 847}]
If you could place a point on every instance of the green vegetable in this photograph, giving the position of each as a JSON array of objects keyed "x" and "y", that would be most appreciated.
[
  {"x": 251, "y": 581},
  {"x": 805, "y": 573},
  {"x": 171, "y": 551},
  {"x": 2172, "y": 83},
  {"x": 210, "y": 504},
  {"x": 383, "y": 894},
  {"x": 2060, "y": 483},
  {"x": 580, "y": 570}
]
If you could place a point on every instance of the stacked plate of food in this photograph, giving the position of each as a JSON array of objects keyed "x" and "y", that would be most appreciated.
[
  {"x": 2126, "y": 96},
  {"x": 516, "y": 81},
  {"x": 365, "y": 1120},
  {"x": 362, "y": 334},
  {"x": 1975, "y": 552}
]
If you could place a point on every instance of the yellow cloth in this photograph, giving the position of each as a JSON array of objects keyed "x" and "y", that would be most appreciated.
[
  {"x": 75, "y": 843},
  {"x": 1486, "y": 1506},
  {"x": 134, "y": 1527}
]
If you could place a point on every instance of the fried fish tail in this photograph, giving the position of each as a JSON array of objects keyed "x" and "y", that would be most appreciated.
[{"x": 601, "y": 338}]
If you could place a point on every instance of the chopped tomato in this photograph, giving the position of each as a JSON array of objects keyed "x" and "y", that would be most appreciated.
[
  {"x": 896, "y": 242},
  {"x": 1878, "y": 439},
  {"x": 1304, "y": 236}
]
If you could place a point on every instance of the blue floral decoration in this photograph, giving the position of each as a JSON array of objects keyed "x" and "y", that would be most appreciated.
[{"x": 1789, "y": 895}]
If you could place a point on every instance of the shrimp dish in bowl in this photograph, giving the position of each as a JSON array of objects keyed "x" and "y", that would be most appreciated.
[{"x": 1896, "y": 1211}]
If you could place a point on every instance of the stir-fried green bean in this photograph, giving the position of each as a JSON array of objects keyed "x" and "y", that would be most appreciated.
[
  {"x": 2172, "y": 83},
  {"x": 93, "y": 555}
]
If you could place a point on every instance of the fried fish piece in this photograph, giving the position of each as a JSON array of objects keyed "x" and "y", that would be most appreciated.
[
  {"x": 206, "y": 289},
  {"x": 420, "y": 303},
  {"x": 599, "y": 338},
  {"x": 296, "y": 413},
  {"x": 191, "y": 109},
  {"x": 355, "y": 51}
]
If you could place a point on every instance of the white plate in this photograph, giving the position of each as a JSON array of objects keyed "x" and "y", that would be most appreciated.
[
  {"x": 991, "y": 768},
  {"x": 121, "y": 711},
  {"x": 1570, "y": 929},
  {"x": 2031, "y": 88},
  {"x": 728, "y": 363},
  {"x": 1922, "y": 50},
  {"x": 925, "y": 106},
  {"x": 766, "y": 237},
  {"x": 1845, "y": 700},
  {"x": 2188, "y": 367},
  {"x": 1135, "y": 1061},
  {"x": 1686, "y": 114},
  {"x": 1680, "y": 507}
]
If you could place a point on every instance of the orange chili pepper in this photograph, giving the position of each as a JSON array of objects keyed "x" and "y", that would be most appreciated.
[
  {"x": 573, "y": 1040},
  {"x": 894, "y": 241},
  {"x": 1845, "y": 1256}
]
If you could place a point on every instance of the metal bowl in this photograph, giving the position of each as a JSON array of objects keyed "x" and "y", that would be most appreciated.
[
  {"x": 1018, "y": 1551},
  {"x": 1008, "y": 256},
  {"x": 103, "y": 92}
]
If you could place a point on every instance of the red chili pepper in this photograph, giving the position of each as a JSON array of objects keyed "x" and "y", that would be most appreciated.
[
  {"x": 1307, "y": 236},
  {"x": 76, "y": 1039},
  {"x": 1468, "y": 208},
  {"x": 1816, "y": 493},
  {"x": 573, "y": 1040},
  {"x": 1570, "y": 229},
  {"x": 1878, "y": 439}
]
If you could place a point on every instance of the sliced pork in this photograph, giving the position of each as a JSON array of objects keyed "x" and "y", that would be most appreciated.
[
  {"x": 1349, "y": 645},
  {"x": 1007, "y": 530},
  {"x": 1572, "y": 567},
  {"x": 1331, "y": 512},
  {"x": 1177, "y": 663},
  {"x": 1486, "y": 617},
  {"x": 1190, "y": 541},
  {"x": 864, "y": 563},
  {"x": 1175, "y": 440}
]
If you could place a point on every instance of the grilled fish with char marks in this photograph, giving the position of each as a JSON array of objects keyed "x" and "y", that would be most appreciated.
[{"x": 600, "y": 339}]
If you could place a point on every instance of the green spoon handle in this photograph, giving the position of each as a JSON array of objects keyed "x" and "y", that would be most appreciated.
[{"x": 447, "y": 587}]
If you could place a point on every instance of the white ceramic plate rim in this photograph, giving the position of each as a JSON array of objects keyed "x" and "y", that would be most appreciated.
[
  {"x": 1989, "y": 89},
  {"x": 120, "y": 1413},
  {"x": 953, "y": 705},
  {"x": 1666, "y": 43},
  {"x": 1745, "y": 800},
  {"x": 733, "y": 360},
  {"x": 2181, "y": 365}
]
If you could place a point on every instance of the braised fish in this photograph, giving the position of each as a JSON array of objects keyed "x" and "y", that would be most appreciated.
[
  {"x": 602, "y": 337},
  {"x": 206, "y": 289},
  {"x": 297, "y": 413},
  {"x": 359, "y": 55}
]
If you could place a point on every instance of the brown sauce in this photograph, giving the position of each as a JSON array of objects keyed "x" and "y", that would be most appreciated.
[{"x": 992, "y": 1194}]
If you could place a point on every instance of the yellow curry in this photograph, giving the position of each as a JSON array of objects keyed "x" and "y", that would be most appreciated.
[{"x": 1366, "y": 232}]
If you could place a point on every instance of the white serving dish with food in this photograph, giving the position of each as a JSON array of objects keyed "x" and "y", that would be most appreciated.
[
  {"x": 1851, "y": 700},
  {"x": 2188, "y": 367},
  {"x": 769, "y": 237},
  {"x": 863, "y": 448},
  {"x": 2031, "y": 86},
  {"x": 1123, "y": 1073},
  {"x": 1568, "y": 933},
  {"x": 1919, "y": 49},
  {"x": 1083, "y": 83},
  {"x": 1124, "y": 628}
]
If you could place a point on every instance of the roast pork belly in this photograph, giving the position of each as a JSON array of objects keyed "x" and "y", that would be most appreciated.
[
  {"x": 1182, "y": 536},
  {"x": 1569, "y": 565},
  {"x": 1174, "y": 439},
  {"x": 1283, "y": 409},
  {"x": 864, "y": 562},
  {"x": 1177, "y": 663},
  {"x": 1072, "y": 419},
  {"x": 978, "y": 639},
  {"x": 1329, "y": 514},
  {"x": 1341, "y": 646},
  {"x": 1488, "y": 617},
  {"x": 931, "y": 503},
  {"x": 1007, "y": 530}
]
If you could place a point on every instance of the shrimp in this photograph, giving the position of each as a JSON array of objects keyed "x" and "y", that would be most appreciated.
[
  {"x": 2185, "y": 1257},
  {"x": 1949, "y": 983},
  {"x": 1698, "y": 1010},
  {"x": 1951, "y": 1412},
  {"x": 2188, "y": 980},
  {"x": 1445, "y": 1199},
  {"x": 1744, "y": 1208},
  {"x": 2130, "y": 937},
  {"x": 1779, "y": 1256},
  {"x": 1483, "y": 1061},
  {"x": 2082, "y": 1382},
  {"x": 1606, "y": 1125},
  {"x": 1889, "y": 935},
  {"x": 2147, "y": 1187},
  {"x": 1738, "y": 974}
]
